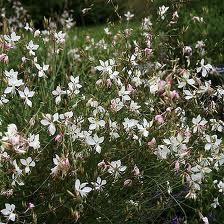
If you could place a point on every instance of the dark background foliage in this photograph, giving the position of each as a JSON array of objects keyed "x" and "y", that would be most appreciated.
[{"x": 104, "y": 10}]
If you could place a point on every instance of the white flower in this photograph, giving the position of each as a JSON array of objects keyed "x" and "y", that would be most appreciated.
[
  {"x": 95, "y": 141},
  {"x": 205, "y": 220},
  {"x": 124, "y": 94},
  {"x": 11, "y": 73},
  {"x": 11, "y": 39},
  {"x": 106, "y": 67},
  {"x": 205, "y": 88},
  {"x": 107, "y": 31},
  {"x": 129, "y": 123},
  {"x": 3, "y": 100},
  {"x": 188, "y": 94},
  {"x": 185, "y": 79},
  {"x": 198, "y": 124},
  {"x": 204, "y": 69},
  {"x": 16, "y": 176},
  {"x": 215, "y": 203},
  {"x": 61, "y": 165},
  {"x": 27, "y": 163},
  {"x": 32, "y": 47},
  {"x": 60, "y": 37},
  {"x": 66, "y": 116},
  {"x": 220, "y": 185},
  {"x": 116, "y": 168},
  {"x": 213, "y": 142},
  {"x": 27, "y": 27},
  {"x": 81, "y": 188},
  {"x": 49, "y": 121},
  {"x": 143, "y": 127},
  {"x": 9, "y": 211},
  {"x": 41, "y": 70},
  {"x": 58, "y": 93},
  {"x": 134, "y": 107},
  {"x": 13, "y": 82},
  {"x": 117, "y": 104},
  {"x": 162, "y": 10},
  {"x": 146, "y": 23},
  {"x": 162, "y": 151},
  {"x": 73, "y": 86},
  {"x": 26, "y": 94},
  {"x": 99, "y": 184},
  {"x": 33, "y": 141},
  {"x": 95, "y": 123},
  {"x": 177, "y": 144},
  {"x": 217, "y": 125},
  {"x": 128, "y": 16}
]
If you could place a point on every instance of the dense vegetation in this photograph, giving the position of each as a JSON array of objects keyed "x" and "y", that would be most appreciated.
[{"x": 116, "y": 123}]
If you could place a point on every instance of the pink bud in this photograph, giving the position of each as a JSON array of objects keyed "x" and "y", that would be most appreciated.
[
  {"x": 130, "y": 88},
  {"x": 127, "y": 183},
  {"x": 168, "y": 109},
  {"x": 159, "y": 119},
  {"x": 161, "y": 85},
  {"x": 109, "y": 83},
  {"x": 136, "y": 171},
  {"x": 177, "y": 166},
  {"x": 31, "y": 205},
  {"x": 65, "y": 162},
  {"x": 169, "y": 82},
  {"x": 148, "y": 51},
  {"x": 58, "y": 137},
  {"x": 102, "y": 165},
  {"x": 99, "y": 81},
  {"x": 4, "y": 58},
  {"x": 152, "y": 143},
  {"x": 174, "y": 94},
  {"x": 113, "y": 104},
  {"x": 7, "y": 46}
]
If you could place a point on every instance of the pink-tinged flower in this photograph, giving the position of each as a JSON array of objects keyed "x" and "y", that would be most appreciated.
[
  {"x": 161, "y": 85},
  {"x": 177, "y": 166},
  {"x": 31, "y": 205},
  {"x": 136, "y": 171},
  {"x": 62, "y": 166},
  {"x": 168, "y": 109},
  {"x": 187, "y": 50},
  {"x": 99, "y": 82},
  {"x": 159, "y": 118},
  {"x": 148, "y": 51},
  {"x": 102, "y": 165},
  {"x": 152, "y": 143},
  {"x": 109, "y": 83},
  {"x": 127, "y": 183},
  {"x": 6, "y": 46},
  {"x": 174, "y": 94},
  {"x": 130, "y": 88},
  {"x": 4, "y": 58},
  {"x": 59, "y": 137}
]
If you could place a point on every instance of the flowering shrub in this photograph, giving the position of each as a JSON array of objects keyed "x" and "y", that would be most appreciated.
[{"x": 123, "y": 128}]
